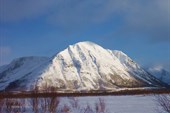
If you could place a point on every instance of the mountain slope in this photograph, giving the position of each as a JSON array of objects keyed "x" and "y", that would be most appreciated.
[
  {"x": 17, "y": 69},
  {"x": 160, "y": 73},
  {"x": 83, "y": 66}
]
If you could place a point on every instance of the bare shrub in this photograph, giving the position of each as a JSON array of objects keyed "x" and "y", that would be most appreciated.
[
  {"x": 2, "y": 101},
  {"x": 65, "y": 109},
  {"x": 100, "y": 106},
  {"x": 164, "y": 102},
  {"x": 15, "y": 105},
  {"x": 88, "y": 109},
  {"x": 54, "y": 104},
  {"x": 74, "y": 102},
  {"x": 50, "y": 104},
  {"x": 45, "y": 105},
  {"x": 35, "y": 104}
]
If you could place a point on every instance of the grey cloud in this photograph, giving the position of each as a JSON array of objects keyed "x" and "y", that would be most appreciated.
[
  {"x": 151, "y": 17},
  {"x": 138, "y": 16},
  {"x": 85, "y": 12},
  {"x": 17, "y": 10}
]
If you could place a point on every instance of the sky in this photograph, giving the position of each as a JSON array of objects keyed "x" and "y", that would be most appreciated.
[{"x": 139, "y": 28}]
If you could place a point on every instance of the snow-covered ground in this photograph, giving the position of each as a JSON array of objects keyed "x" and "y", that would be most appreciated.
[
  {"x": 113, "y": 104},
  {"x": 124, "y": 104}
]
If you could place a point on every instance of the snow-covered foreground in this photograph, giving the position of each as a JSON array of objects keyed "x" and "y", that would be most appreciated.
[
  {"x": 124, "y": 104},
  {"x": 108, "y": 104}
]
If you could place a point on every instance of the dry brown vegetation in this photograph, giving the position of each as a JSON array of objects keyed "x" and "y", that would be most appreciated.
[
  {"x": 53, "y": 105},
  {"x": 52, "y": 93},
  {"x": 50, "y": 105},
  {"x": 48, "y": 101},
  {"x": 44, "y": 105},
  {"x": 12, "y": 105},
  {"x": 164, "y": 102}
]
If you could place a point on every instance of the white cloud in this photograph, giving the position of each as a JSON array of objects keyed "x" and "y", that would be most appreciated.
[{"x": 160, "y": 66}]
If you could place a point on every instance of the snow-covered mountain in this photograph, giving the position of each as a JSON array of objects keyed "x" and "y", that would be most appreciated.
[
  {"x": 17, "y": 69},
  {"x": 160, "y": 73},
  {"x": 83, "y": 66}
]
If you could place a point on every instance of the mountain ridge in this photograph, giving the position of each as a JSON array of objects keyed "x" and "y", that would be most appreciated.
[
  {"x": 160, "y": 73},
  {"x": 82, "y": 66}
]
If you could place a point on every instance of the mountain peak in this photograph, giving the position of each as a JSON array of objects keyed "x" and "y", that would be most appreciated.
[
  {"x": 84, "y": 65},
  {"x": 86, "y": 44},
  {"x": 80, "y": 49}
]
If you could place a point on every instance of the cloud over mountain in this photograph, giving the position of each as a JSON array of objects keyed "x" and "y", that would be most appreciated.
[{"x": 141, "y": 16}]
